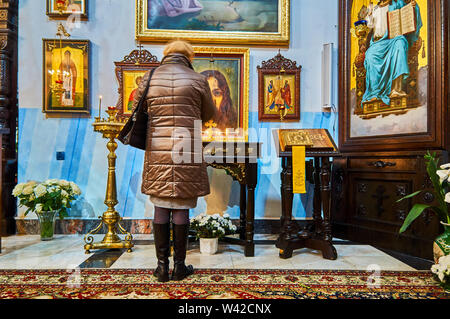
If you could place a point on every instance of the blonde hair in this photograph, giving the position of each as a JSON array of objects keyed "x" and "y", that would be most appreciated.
[{"x": 178, "y": 46}]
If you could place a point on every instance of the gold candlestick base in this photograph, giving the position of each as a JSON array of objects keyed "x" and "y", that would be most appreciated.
[{"x": 110, "y": 128}]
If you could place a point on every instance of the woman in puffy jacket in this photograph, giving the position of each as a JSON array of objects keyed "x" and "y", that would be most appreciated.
[{"x": 178, "y": 100}]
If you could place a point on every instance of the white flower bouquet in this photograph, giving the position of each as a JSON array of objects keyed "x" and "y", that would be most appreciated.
[
  {"x": 51, "y": 195},
  {"x": 212, "y": 226},
  {"x": 442, "y": 271}
]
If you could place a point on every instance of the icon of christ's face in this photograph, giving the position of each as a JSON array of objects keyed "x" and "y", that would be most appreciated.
[{"x": 216, "y": 91}]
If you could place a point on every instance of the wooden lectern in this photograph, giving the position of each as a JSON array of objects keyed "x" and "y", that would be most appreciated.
[{"x": 317, "y": 235}]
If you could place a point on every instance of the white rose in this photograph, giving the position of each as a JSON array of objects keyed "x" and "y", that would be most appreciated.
[
  {"x": 64, "y": 183},
  {"x": 40, "y": 190},
  {"x": 52, "y": 189},
  {"x": 28, "y": 190},
  {"x": 75, "y": 188},
  {"x": 39, "y": 208},
  {"x": 18, "y": 190}
]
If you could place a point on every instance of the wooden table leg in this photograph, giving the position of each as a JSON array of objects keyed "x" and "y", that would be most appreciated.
[
  {"x": 287, "y": 227},
  {"x": 252, "y": 176},
  {"x": 317, "y": 200},
  {"x": 249, "y": 243},
  {"x": 286, "y": 192},
  {"x": 243, "y": 211},
  {"x": 329, "y": 252}
]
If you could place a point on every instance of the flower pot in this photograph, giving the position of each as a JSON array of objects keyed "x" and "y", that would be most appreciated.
[
  {"x": 47, "y": 224},
  {"x": 441, "y": 246},
  {"x": 208, "y": 246}
]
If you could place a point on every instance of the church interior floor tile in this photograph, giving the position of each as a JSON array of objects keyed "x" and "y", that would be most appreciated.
[{"x": 66, "y": 252}]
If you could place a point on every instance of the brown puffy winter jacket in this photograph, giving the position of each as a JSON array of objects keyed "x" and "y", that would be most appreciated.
[{"x": 176, "y": 98}]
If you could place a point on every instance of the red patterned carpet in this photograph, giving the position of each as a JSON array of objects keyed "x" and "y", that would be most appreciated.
[{"x": 217, "y": 284}]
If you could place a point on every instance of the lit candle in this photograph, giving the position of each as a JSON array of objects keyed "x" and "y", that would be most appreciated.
[{"x": 100, "y": 105}]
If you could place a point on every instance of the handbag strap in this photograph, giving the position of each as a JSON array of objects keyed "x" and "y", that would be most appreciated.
[{"x": 144, "y": 95}]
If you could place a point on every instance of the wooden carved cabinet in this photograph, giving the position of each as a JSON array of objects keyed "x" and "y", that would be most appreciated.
[
  {"x": 366, "y": 188},
  {"x": 387, "y": 124}
]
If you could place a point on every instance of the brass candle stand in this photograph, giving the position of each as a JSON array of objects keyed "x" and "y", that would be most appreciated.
[{"x": 110, "y": 128}]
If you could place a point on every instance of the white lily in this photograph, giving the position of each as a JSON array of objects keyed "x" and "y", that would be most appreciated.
[
  {"x": 441, "y": 269},
  {"x": 447, "y": 197},
  {"x": 443, "y": 174}
]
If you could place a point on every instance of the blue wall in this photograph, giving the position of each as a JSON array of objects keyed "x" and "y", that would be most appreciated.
[{"x": 111, "y": 31}]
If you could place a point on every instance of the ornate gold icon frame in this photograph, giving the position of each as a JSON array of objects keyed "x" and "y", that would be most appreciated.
[
  {"x": 243, "y": 56},
  {"x": 279, "y": 38}
]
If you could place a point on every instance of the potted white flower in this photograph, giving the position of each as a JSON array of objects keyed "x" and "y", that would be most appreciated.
[
  {"x": 442, "y": 271},
  {"x": 209, "y": 228},
  {"x": 47, "y": 199}
]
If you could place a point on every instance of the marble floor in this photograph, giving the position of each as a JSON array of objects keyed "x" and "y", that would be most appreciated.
[{"x": 66, "y": 252}]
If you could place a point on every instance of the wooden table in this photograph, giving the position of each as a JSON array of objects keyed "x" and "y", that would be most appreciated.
[
  {"x": 316, "y": 235},
  {"x": 240, "y": 161}
]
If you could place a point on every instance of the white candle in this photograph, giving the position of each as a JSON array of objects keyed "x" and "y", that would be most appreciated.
[{"x": 100, "y": 105}]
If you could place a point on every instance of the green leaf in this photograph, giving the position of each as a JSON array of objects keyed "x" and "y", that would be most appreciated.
[
  {"x": 409, "y": 196},
  {"x": 415, "y": 212},
  {"x": 442, "y": 215},
  {"x": 432, "y": 167},
  {"x": 62, "y": 214},
  {"x": 27, "y": 211}
]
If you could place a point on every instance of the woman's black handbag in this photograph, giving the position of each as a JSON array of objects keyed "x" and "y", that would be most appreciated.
[{"x": 134, "y": 133}]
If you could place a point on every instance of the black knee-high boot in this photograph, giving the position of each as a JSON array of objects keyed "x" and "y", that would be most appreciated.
[
  {"x": 161, "y": 233},
  {"x": 180, "y": 241}
]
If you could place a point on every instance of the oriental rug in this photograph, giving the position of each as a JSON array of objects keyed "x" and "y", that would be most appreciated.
[{"x": 218, "y": 284}]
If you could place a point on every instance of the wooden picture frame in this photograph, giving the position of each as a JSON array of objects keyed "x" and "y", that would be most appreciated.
[
  {"x": 208, "y": 24},
  {"x": 58, "y": 77},
  {"x": 128, "y": 71},
  {"x": 220, "y": 66},
  {"x": 430, "y": 49},
  {"x": 271, "y": 76},
  {"x": 81, "y": 9}
]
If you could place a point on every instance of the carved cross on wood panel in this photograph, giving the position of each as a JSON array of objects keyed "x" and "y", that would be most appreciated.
[{"x": 380, "y": 197}]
